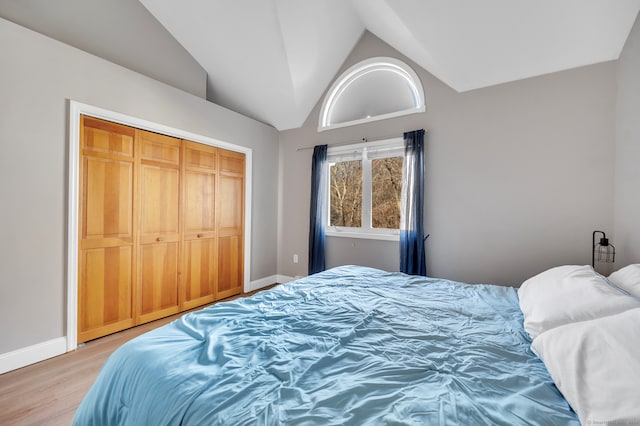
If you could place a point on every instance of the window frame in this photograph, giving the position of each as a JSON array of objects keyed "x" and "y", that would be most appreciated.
[
  {"x": 366, "y": 152},
  {"x": 362, "y": 68}
]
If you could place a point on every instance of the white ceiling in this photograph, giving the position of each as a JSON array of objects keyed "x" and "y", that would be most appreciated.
[
  {"x": 273, "y": 59},
  {"x": 268, "y": 59}
]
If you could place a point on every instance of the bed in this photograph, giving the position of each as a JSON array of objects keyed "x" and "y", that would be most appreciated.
[{"x": 351, "y": 345}]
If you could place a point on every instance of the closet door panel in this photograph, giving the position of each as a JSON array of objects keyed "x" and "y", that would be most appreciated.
[
  {"x": 200, "y": 242},
  {"x": 230, "y": 223},
  {"x": 159, "y": 201},
  {"x": 200, "y": 157},
  {"x": 231, "y": 162},
  {"x": 200, "y": 272},
  {"x": 199, "y": 202},
  {"x": 157, "y": 264},
  {"x": 159, "y": 148},
  {"x": 103, "y": 138},
  {"x": 158, "y": 226},
  {"x": 107, "y": 199},
  {"x": 230, "y": 209},
  {"x": 106, "y": 235},
  {"x": 230, "y": 266},
  {"x": 105, "y": 303}
]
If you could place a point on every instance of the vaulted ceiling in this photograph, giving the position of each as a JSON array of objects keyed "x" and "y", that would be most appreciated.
[{"x": 273, "y": 59}]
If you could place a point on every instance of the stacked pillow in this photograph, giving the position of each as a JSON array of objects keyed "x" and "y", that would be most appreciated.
[
  {"x": 628, "y": 279},
  {"x": 568, "y": 294},
  {"x": 586, "y": 329}
]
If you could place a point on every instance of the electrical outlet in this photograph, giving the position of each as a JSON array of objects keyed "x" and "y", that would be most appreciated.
[{"x": 295, "y": 258}]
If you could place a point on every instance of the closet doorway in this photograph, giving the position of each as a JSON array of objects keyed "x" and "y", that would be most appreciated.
[{"x": 161, "y": 222}]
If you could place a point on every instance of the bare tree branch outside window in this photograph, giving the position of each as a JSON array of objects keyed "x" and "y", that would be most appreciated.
[
  {"x": 346, "y": 194},
  {"x": 386, "y": 187}
]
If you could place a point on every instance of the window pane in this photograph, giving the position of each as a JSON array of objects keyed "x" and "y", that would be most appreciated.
[
  {"x": 386, "y": 186},
  {"x": 346, "y": 194}
]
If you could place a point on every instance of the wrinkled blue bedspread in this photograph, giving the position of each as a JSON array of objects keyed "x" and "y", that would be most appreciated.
[{"x": 348, "y": 346}]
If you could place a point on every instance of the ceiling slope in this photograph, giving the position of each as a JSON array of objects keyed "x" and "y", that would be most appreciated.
[
  {"x": 120, "y": 31},
  {"x": 268, "y": 59},
  {"x": 273, "y": 59},
  {"x": 470, "y": 44}
]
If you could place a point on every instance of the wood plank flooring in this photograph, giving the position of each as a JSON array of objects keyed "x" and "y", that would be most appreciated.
[{"x": 49, "y": 392}]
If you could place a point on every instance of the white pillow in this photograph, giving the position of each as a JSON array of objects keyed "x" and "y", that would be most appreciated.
[
  {"x": 567, "y": 294},
  {"x": 628, "y": 279},
  {"x": 596, "y": 366}
]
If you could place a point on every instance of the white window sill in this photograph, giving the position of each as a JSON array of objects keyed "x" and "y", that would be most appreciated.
[{"x": 363, "y": 235}]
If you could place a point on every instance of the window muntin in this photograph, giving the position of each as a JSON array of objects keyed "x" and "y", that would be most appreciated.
[{"x": 365, "y": 182}]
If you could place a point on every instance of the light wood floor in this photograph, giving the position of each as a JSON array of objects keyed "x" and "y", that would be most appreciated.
[{"x": 49, "y": 392}]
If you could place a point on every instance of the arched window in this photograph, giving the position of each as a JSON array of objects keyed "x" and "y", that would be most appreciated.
[{"x": 374, "y": 89}]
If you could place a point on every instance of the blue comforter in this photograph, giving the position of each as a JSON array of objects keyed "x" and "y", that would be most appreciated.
[{"x": 350, "y": 345}]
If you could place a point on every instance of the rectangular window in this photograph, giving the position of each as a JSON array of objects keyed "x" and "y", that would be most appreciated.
[{"x": 365, "y": 185}]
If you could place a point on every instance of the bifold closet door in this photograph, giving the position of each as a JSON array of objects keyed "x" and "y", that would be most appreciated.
[
  {"x": 161, "y": 226},
  {"x": 200, "y": 266},
  {"x": 107, "y": 228},
  {"x": 158, "y": 226},
  {"x": 230, "y": 223}
]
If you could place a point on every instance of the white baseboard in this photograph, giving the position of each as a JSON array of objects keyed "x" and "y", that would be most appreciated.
[
  {"x": 262, "y": 282},
  {"x": 31, "y": 354},
  {"x": 285, "y": 279},
  {"x": 267, "y": 281}
]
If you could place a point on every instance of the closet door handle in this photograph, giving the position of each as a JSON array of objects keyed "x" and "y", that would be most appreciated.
[
  {"x": 158, "y": 239},
  {"x": 199, "y": 235}
]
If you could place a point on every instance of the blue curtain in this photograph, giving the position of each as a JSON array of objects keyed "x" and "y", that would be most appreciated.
[
  {"x": 318, "y": 213},
  {"x": 412, "y": 256}
]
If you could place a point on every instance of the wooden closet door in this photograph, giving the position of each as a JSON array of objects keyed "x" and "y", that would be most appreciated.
[
  {"x": 199, "y": 230},
  {"x": 106, "y": 212},
  {"x": 230, "y": 223},
  {"x": 159, "y": 226}
]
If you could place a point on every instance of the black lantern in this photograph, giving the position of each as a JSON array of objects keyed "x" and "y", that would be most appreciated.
[{"x": 602, "y": 251}]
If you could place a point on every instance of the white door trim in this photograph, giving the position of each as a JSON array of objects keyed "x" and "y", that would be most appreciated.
[{"x": 75, "y": 110}]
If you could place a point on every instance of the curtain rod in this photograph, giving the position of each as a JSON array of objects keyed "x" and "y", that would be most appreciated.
[{"x": 363, "y": 140}]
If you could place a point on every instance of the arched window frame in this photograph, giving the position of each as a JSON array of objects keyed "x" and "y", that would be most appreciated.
[{"x": 363, "y": 68}]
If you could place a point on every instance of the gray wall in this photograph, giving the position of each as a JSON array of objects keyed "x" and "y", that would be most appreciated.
[
  {"x": 120, "y": 31},
  {"x": 627, "y": 177},
  {"x": 517, "y": 175},
  {"x": 37, "y": 78}
]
